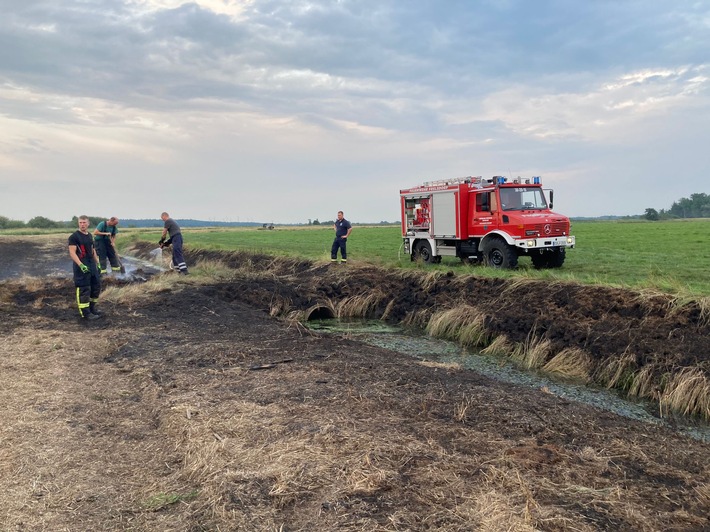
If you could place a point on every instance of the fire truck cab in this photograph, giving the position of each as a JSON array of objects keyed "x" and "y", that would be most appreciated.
[{"x": 493, "y": 220}]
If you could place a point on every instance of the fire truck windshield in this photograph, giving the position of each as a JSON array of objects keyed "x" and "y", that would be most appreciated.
[{"x": 522, "y": 198}]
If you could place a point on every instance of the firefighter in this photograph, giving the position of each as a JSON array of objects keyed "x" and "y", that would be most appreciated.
[
  {"x": 87, "y": 279},
  {"x": 105, "y": 240},
  {"x": 172, "y": 229},
  {"x": 342, "y": 232}
]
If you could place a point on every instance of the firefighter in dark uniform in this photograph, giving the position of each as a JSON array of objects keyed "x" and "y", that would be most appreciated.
[
  {"x": 105, "y": 240},
  {"x": 342, "y": 232},
  {"x": 172, "y": 230},
  {"x": 86, "y": 272}
]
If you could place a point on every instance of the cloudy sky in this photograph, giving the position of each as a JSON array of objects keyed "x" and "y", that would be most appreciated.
[{"x": 288, "y": 110}]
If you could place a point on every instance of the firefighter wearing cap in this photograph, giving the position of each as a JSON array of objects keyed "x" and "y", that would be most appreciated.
[{"x": 105, "y": 240}]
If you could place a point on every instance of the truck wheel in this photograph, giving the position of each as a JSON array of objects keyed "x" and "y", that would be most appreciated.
[
  {"x": 539, "y": 260},
  {"x": 423, "y": 252},
  {"x": 498, "y": 254},
  {"x": 553, "y": 258},
  {"x": 556, "y": 258}
]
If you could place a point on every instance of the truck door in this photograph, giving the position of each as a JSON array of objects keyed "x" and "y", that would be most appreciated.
[
  {"x": 444, "y": 214},
  {"x": 480, "y": 213}
]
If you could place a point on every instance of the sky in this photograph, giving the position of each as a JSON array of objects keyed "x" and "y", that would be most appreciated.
[{"x": 288, "y": 111}]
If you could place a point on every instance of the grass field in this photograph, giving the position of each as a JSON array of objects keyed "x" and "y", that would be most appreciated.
[{"x": 670, "y": 256}]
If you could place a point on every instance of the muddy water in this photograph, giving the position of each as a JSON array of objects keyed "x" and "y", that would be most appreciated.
[{"x": 420, "y": 346}]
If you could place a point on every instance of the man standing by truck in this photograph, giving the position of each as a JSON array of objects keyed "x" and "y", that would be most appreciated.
[
  {"x": 105, "y": 240},
  {"x": 86, "y": 271},
  {"x": 342, "y": 232},
  {"x": 172, "y": 230}
]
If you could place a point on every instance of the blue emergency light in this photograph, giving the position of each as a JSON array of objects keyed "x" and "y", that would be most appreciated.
[{"x": 536, "y": 180}]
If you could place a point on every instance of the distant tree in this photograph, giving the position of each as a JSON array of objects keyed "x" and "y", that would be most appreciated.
[
  {"x": 651, "y": 214},
  {"x": 6, "y": 223},
  {"x": 316, "y": 222},
  {"x": 40, "y": 222},
  {"x": 697, "y": 206}
]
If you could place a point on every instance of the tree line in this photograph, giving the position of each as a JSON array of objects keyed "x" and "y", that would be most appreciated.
[
  {"x": 696, "y": 206},
  {"x": 40, "y": 222}
]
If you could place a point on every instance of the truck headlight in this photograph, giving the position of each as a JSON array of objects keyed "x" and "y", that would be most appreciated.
[
  {"x": 569, "y": 240},
  {"x": 531, "y": 243}
]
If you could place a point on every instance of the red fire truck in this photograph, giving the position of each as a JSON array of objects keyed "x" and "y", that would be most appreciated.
[{"x": 490, "y": 220}]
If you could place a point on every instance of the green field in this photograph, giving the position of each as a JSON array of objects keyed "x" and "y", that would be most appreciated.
[{"x": 670, "y": 256}]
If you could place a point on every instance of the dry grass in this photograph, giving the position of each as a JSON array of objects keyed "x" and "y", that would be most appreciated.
[
  {"x": 388, "y": 309},
  {"x": 464, "y": 324},
  {"x": 572, "y": 363},
  {"x": 419, "y": 318},
  {"x": 212, "y": 270},
  {"x": 688, "y": 393},
  {"x": 644, "y": 384},
  {"x": 135, "y": 293},
  {"x": 533, "y": 352},
  {"x": 500, "y": 346},
  {"x": 618, "y": 372},
  {"x": 439, "y": 365},
  {"x": 360, "y": 306},
  {"x": 704, "y": 304}
]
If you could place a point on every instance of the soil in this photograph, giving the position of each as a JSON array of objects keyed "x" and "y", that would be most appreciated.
[{"x": 200, "y": 403}]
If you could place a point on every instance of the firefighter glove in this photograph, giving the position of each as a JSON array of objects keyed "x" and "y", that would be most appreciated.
[
  {"x": 168, "y": 242},
  {"x": 84, "y": 268},
  {"x": 160, "y": 242}
]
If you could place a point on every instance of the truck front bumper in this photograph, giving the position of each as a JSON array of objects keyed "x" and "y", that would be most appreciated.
[{"x": 551, "y": 242}]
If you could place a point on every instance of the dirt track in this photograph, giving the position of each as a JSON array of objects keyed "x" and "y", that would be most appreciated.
[{"x": 157, "y": 418}]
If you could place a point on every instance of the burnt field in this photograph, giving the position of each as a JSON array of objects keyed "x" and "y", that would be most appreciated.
[{"x": 202, "y": 403}]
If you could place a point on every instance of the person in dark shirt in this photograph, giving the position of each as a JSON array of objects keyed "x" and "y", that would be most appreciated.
[
  {"x": 105, "y": 241},
  {"x": 342, "y": 232},
  {"x": 172, "y": 230},
  {"x": 86, "y": 271}
]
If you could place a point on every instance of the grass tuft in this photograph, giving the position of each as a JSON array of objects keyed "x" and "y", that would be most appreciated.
[
  {"x": 533, "y": 352},
  {"x": 500, "y": 346},
  {"x": 688, "y": 392},
  {"x": 571, "y": 362},
  {"x": 361, "y": 305},
  {"x": 619, "y": 372},
  {"x": 464, "y": 324}
]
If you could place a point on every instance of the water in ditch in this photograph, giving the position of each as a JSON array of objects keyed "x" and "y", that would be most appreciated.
[{"x": 418, "y": 345}]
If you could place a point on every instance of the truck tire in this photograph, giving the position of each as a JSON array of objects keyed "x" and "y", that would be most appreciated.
[
  {"x": 556, "y": 258},
  {"x": 423, "y": 252},
  {"x": 498, "y": 254},
  {"x": 551, "y": 258}
]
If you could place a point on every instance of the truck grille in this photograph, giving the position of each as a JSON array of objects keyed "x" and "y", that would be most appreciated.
[{"x": 551, "y": 229}]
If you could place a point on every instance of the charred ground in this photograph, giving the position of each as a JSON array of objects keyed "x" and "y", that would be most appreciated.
[{"x": 158, "y": 418}]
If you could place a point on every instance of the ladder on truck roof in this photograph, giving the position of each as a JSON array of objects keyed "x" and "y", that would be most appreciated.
[{"x": 475, "y": 180}]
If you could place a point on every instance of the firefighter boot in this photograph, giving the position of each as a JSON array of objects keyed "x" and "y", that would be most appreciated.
[
  {"x": 93, "y": 310},
  {"x": 86, "y": 315}
]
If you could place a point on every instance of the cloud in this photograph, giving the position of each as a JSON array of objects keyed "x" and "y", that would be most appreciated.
[{"x": 222, "y": 102}]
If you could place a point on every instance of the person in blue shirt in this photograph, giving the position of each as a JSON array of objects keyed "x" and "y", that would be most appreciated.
[
  {"x": 342, "y": 232},
  {"x": 105, "y": 241}
]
